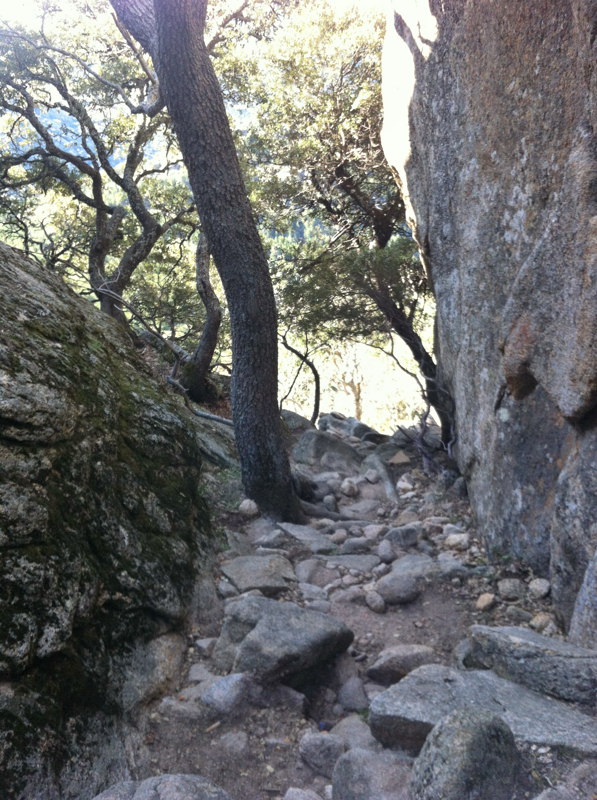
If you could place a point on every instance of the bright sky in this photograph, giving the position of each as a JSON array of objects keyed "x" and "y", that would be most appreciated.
[{"x": 27, "y": 11}]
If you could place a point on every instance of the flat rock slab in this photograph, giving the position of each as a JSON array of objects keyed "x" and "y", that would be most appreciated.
[
  {"x": 360, "y": 563},
  {"x": 545, "y": 665},
  {"x": 403, "y": 715},
  {"x": 272, "y": 639},
  {"x": 165, "y": 787},
  {"x": 270, "y": 574},
  {"x": 308, "y": 537}
]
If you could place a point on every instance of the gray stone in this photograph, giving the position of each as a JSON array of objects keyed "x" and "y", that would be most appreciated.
[
  {"x": 403, "y": 715},
  {"x": 404, "y": 536},
  {"x": 103, "y": 524},
  {"x": 307, "y": 536},
  {"x": 227, "y": 696},
  {"x": 386, "y": 552},
  {"x": 165, "y": 787},
  {"x": 273, "y": 639},
  {"x": 352, "y": 696},
  {"x": 398, "y": 589},
  {"x": 468, "y": 754},
  {"x": 579, "y": 785},
  {"x": 583, "y": 628},
  {"x": 511, "y": 589},
  {"x": 375, "y": 601},
  {"x": 393, "y": 663},
  {"x": 417, "y": 565},
  {"x": 541, "y": 663},
  {"x": 364, "y": 563},
  {"x": 271, "y": 574},
  {"x": 321, "y": 751},
  {"x": 539, "y": 588},
  {"x": 301, "y": 794},
  {"x": 321, "y": 449},
  {"x": 366, "y": 775},
  {"x": 354, "y": 732},
  {"x": 354, "y": 546},
  {"x": 516, "y": 322}
]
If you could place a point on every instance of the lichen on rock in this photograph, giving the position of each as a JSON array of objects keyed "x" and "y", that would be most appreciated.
[{"x": 103, "y": 527}]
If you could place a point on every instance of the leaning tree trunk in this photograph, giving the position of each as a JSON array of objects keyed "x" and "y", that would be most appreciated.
[
  {"x": 194, "y": 373},
  {"x": 437, "y": 395},
  {"x": 192, "y": 93}
]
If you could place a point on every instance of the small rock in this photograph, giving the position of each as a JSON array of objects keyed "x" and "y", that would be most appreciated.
[
  {"x": 248, "y": 508},
  {"x": 374, "y": 531},
  {"x": 511, "y": 589},
  {"x": 380, "y": 570},
  {"x": 301, "y": 794},
  {"x": 228, "y": 695},
  {"x": 385, "y": 551},
  {"x": 357, "y": 545},
  {"x": 540, "y": 621},
  {"x": 404, "y": 536},
  {"x": 517, "y": 614},
  {"x": 352, "y": 696},
  {"x": 372, "y": 476},
  {"x": 349, "y": 487},
  {"x": 398, "y": 589},
  {"x": 329, "y": 502},
  {"x": 457, "y": 541},
  {"x": 450, "y": 529},
  {"x": 354, "y": 732},
  {"x": 394, "y": 663},
  {"x": 226, "y": 589},
  {"x": 539, "y": 588},
  {"x": 486, "y": 601},
  {"x": 375, "y": 601},
  {"x": 321, "y": 751},
  {"x": 404, "y": 485},
  {"x": 339, "y": 536}
]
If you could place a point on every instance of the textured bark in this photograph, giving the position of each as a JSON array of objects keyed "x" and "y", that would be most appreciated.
[
  {"x": 194, "y": 99},
  {"x": 195, "y": 372}
]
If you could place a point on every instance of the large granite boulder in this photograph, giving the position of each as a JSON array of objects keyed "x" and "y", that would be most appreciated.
[
  {"x": 102, "y": 532},
  {"x": 489, "y": 120}
]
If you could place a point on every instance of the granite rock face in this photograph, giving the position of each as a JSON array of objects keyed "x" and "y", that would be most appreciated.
[
  {"x": 489, "y": 121},
  {"x": 102, "y": 530}
]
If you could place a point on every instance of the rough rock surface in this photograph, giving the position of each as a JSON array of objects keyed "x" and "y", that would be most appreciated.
[
  {"x": 404, "y": 714},
  {"x": 541, "y": 663},
  {"x": 469, "y": 754},
  {"x": 166, "y": 787},
  {"x": 102, "y": 528},
  {"x": 489, "y": 120},
  {"x": 274, "y": 640}
]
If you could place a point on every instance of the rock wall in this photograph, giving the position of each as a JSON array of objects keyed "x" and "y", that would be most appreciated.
[
  {"x": 102, "y": 533},
  {"x": 489, "y": 121}
]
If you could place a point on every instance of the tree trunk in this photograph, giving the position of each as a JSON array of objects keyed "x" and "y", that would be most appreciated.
[
  {"x": 437, "y": 395},
  {"x": 194, "y": 372},
  {"x": 190, "y": 88}
]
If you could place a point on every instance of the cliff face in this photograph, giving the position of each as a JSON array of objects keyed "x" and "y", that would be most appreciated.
[
  {"x": 489, "y": 120},
  {"x": 102, "y": 533}
]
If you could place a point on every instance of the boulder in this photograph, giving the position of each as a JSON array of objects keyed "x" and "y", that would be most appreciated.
[
  {"x": 545, "y": 665},
  {"x": 271, "y": 574},
  {"x": 404, "y": 714},
  {"x": 489, "y": 119},
  {"x": 319, "y": 449},
  {"x": 321, "y": 751},
  {"x": 393, "y": 663},
  {"x": 166, "y": 787},
  {"x": 308, "y": 537},
  {"x": 103, "y": 532},
  {"x": 367, "y": 775},
  {"x": 273, "y": 640},
  {"x": 469, "y": 754}
]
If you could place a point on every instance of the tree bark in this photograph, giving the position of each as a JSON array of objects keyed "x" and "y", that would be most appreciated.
[
  {"x": 194, "y": 372},
  {"x": 192, "y": 93},
  {"x": 437, "y": 396}
]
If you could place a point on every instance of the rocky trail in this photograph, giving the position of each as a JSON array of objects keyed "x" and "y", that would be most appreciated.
[{"x": 373, "y": 654}]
